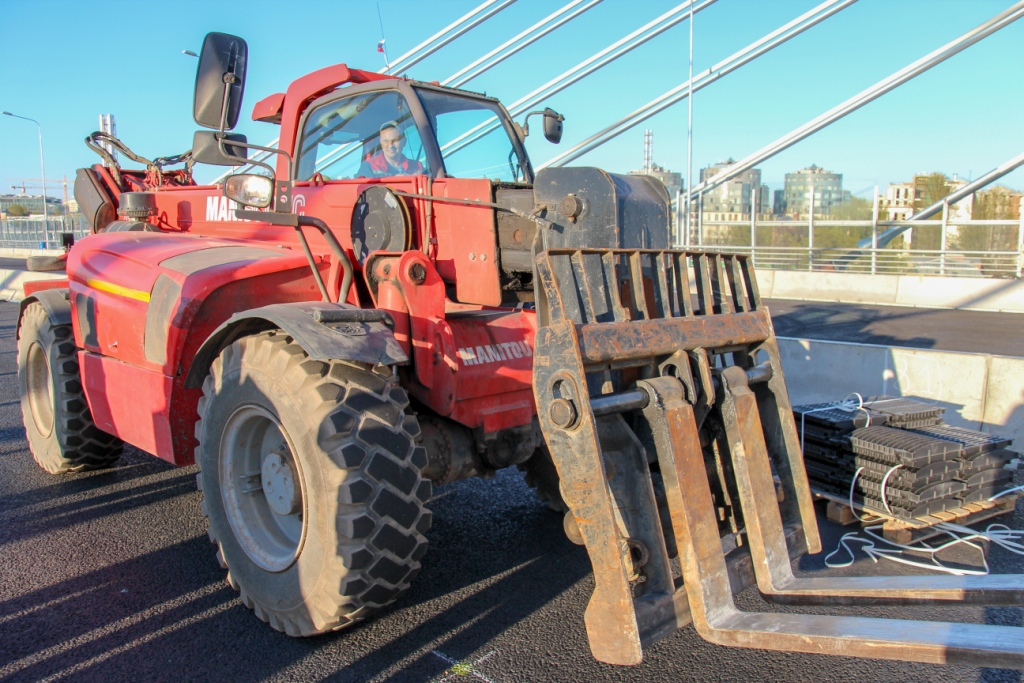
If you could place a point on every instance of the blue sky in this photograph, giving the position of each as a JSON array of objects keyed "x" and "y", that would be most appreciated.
[{"x": 66, "y": 62}]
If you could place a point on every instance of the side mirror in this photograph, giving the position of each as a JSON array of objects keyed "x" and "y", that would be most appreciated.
[
  {"x": 553, "y": 125},
  {"x": 250, "y": 189},
  {"x": 220, "y": 81},
  {"x": 206, "y": 148}
]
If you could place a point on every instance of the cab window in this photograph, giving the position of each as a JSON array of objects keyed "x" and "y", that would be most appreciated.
[
  {"x": 473, "y": 136},
  {"x": 340, "y": 135}
]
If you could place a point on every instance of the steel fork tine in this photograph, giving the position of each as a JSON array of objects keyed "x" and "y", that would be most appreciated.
[{"x": 706, "y": 581}]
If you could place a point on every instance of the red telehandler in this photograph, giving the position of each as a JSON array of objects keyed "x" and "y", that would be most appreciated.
[{"x": 330, "y": 336}]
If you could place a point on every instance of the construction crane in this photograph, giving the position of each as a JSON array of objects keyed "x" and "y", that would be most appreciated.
[{"x": 25, "y": 184}]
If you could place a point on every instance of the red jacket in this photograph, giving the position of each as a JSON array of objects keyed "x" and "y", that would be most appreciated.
[{"x": 377, "y": 167}]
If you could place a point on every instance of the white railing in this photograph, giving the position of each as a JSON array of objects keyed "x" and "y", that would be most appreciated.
[
  {"x": 976, "y": 248},
  {"x": 989, "y": 248},
  {"x": 31, "y": 233}
]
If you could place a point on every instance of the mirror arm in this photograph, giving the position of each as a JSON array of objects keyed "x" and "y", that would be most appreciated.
[
  {"x": 283, "y": 188},
  {"x": 229, "y": 80},
  {"x": 222, "y": 145}
]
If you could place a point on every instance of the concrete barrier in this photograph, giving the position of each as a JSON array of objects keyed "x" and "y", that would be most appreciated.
[
  {"x": 971, "y": 294},
  {"x": 963, "y": 293},
  {"x": 869, "y": 289},
  {"x": 16, "y": 252},
  {"x": 12, "y": 282},
  {"x": 978, "y": 391}
]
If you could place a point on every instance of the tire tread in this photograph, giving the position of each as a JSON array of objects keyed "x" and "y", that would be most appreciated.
[
  {"x": 391, "y": 495},
  {"x": 76, "y": 443}
]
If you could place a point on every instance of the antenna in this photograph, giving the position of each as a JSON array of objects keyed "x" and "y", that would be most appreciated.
[{"x": 381, "y": 46}]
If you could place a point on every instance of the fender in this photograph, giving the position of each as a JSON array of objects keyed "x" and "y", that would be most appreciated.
[
  {"x": 56, "y": 303},
  {"x": 325, "y": 331}
]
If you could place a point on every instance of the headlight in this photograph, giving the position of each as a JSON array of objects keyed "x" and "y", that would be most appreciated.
[{"x": 250, "y": 189}]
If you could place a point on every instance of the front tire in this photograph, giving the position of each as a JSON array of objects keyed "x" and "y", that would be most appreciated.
[
  {"x": 311, "y": 482},
  {"x": 61, "y": 432},
  {"x": 542, "y": 476}
]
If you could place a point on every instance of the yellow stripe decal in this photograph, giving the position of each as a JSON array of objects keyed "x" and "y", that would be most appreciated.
[{"x": 118, "y": 289}]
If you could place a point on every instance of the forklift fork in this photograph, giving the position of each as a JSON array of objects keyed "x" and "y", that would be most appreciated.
[{"x": 632, "y": 374}]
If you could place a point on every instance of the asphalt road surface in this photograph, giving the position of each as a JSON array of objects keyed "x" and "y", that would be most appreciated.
[
  {"x": 920, "y": 328},
  {"x": 109, "y": 576}
]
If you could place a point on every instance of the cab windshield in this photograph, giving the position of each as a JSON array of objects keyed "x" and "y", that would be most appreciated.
[
  {"x": 367, "y": 135},
  {"x": 473, "y": 136}
]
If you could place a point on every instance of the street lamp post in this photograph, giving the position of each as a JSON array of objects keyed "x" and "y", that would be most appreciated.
[{"x": 42, "y": 161}]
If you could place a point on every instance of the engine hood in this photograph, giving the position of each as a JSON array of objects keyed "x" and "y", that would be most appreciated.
[{"x": 591, "y": 208}]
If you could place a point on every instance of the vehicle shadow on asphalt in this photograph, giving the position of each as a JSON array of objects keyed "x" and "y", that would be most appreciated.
[
  {"x": 847, "y": 322},
  {"x": 489, "y": 575},
  {"x": 81, "y": 499},
  {"x": 66, "y": 627},
  {"x": 497, "y": 556}
]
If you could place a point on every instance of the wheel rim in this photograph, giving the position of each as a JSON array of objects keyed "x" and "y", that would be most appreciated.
[
  {"x": 40, "y": 394},
  {"x": 262, "y": 488}
]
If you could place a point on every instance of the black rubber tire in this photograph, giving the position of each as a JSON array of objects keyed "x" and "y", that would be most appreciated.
[
  {"x": 357, "y": 466},
  {"x": 61, "y": 432},
  {"x": 541, "y": 475},
  {"x": 46, "y": 264}
]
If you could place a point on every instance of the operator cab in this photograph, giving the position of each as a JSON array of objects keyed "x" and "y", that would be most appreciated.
[{"x": 444, "y": 133}]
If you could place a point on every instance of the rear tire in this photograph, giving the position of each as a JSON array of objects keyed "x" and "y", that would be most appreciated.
[
  {"x": 311, "y": 483},
  {"x": 61, "y": 432}
]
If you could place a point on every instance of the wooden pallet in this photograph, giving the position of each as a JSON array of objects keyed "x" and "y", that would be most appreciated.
[{"x": 921, "y": 528}]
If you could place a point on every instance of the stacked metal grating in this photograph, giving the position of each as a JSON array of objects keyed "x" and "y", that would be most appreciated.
[
  {"x": 984, "y": 458},
  {"x": 905, "y": 413},
  {"x": 907, "y": 463}
]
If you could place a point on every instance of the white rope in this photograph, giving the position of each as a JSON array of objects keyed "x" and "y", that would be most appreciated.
[
  {"x": 1003, "y": 493},
  {"x": 885, "y": 479},
  {"x": 853, "y": 483},
  {"x": 1009, "y": 539}
]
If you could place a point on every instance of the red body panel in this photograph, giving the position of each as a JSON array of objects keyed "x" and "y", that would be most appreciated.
[
  {"x": 33, "y": 286},
  {"x": 494, "y": 387},
  {"x": 129, "y": 401},
  {"x": 472, "y": 364},
  {"x": 467, "y": 242},
  {"x": 116, "y": 274}
]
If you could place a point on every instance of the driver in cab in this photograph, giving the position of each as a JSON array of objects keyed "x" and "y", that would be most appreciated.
[{"x": 390, "y": 161}]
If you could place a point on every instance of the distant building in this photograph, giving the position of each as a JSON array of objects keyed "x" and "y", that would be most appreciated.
[
  {"x": 898, "y": 203},
  {"x": 34, "y": 203},
  {"x": 779, "y": 202},
  {"x": 673, "y": 181},
  {"x": 826, "y": 186},
  {"x": 997, "y": 202},
  {"x": 731, "y": 200},
  {"x": 962, "y": 210},
  {"x": 903, "y": 200}
]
